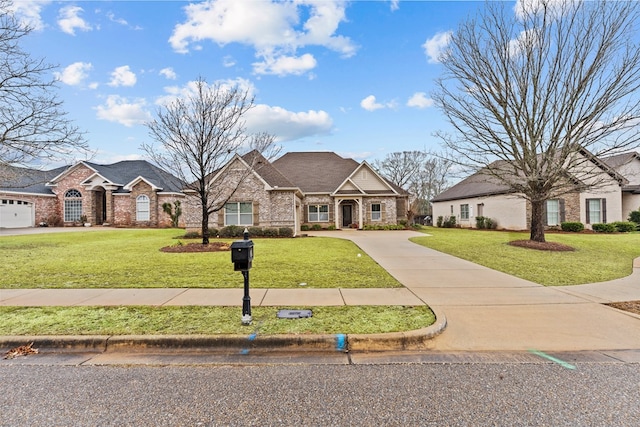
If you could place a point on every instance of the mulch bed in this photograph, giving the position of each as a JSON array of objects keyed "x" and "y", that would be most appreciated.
[
  {"x": 542, "y": 246},
  {"x": 630, "y": 306},
  {"x": 196, "y": 247}
]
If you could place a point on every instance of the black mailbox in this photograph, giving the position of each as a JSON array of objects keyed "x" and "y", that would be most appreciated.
[{"x": 242, "y": 255}]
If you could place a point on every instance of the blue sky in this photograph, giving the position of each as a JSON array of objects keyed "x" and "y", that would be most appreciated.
[{"x": 351, "y": 77}]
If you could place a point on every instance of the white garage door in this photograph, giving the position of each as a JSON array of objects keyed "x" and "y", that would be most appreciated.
[{"x": 16, "y": 213}]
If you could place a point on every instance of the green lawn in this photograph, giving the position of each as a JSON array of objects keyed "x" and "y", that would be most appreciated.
[
  {"x": 207, "y": 320},
  {"x": 597, "y": 258},
  {"x": 132, "y": 259}
]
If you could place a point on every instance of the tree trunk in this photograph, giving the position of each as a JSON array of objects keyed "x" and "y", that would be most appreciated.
[
  {"x": 537, "y": 221},
  {"x": 205, "y": 224}
]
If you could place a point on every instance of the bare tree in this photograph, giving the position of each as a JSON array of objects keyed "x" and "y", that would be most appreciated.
[
  {"x": 424, "y": 174},
  {"x": 33, "y": 127},
  {"x": 532, "y": 94},
  {"x": 198, "y": 135}
]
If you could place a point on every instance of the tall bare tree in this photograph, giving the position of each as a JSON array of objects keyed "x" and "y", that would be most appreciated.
[
  {"x": 33, "y": 127},
  {"x": 424, "y": 174},
  {"x": 198, "y": 135},
  {"x": 532, "y": 91}
]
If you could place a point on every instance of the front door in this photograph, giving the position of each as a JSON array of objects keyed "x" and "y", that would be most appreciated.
[{"x": 346, "y": 215}]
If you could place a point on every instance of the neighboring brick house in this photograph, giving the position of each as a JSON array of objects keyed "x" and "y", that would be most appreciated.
[
  {"x": 128, "y": 193},
  {"x": 482, "y": 195},
  {"x": 305, "y": 188}
]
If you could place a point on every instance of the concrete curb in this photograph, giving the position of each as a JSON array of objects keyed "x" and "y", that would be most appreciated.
[{"x": 418, "y": 339}]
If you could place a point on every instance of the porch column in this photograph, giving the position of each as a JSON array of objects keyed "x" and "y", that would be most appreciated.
[
  {"x": 109, "y": 207},
  {"x": 360, "y": 217},
  {"x": 336, "y": 216}
]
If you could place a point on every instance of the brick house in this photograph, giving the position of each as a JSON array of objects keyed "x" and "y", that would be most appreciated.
[
  {"x": 617, "y": 194},
  {"x": 304, "y": 188},
  {"x": 128, "y": 193}
]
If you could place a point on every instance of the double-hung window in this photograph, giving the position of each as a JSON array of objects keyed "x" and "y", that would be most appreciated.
[
  {"x": 596, "y": 211},
  {"x": 376, "y": 212},
  {"x": 464, "y": 211},
  {"x": 553, "y": 212},
  {"x": 318, "y": 213},
  {"x": 238, "y": 213}
]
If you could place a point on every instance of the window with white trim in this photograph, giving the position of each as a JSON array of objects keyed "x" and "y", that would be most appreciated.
[
  {"x": 376, "y": 212},
  {"x": 553, "y": 212},
  {"x": 72, "y": 205},
  {"x": 596, "y": 211},
  {"x": 464, "y": 211},
  {"x": 318, "y": 213},
  {"x": 238, "y": 213},
  {"x": 142, "y": 208}
]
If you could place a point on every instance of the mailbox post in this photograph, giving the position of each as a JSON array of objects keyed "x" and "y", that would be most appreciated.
[{"x": 242, "y": 256}]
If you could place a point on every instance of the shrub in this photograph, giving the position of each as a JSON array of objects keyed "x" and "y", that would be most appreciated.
[
  {"x": 449, "y": 222},
  {"x": 625, "y": 227},
  {"x": 231, "y": 231},
  {"x": 490, "y": 223},
  {"x": 192, "y": 235},
  {"x": 480, "y": 222},
  {"x": 634, "y": 216},
  {"x": 603, "y": 228},
  {"x": 304, "y": 227},
  {"x": 316, "y": 227},
  {"x": 285, "y": 232},
  {"x": 573, "y": 227},
  {"x": 213, "y": 231},
  {"x": 439, "y": 221},
  {"x": 331, "y": 227}
]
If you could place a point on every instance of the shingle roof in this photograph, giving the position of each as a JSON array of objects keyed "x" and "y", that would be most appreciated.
[
  {"x": 315, "y": 172},
  {"x": 25, "y": 180},
  {"x": 620, "y": 159},
  {"x": 267, "y": 171},
  {"x": 125, "y": 171},
  {"x": 476, "y": 185}
]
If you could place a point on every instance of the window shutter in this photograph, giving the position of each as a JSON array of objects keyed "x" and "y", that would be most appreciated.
[
  {"x": 588, "y": 220},
  {"x": 256, "y": 214},
  {"x": 383, "y": 212},
  {"x": 305, "y": 213},
  {"x": 562, "y": 212},
  {"x": 331, "y": 212},
  {"x": 221, "y": 213},
  {"x": 603, "y": 206}
]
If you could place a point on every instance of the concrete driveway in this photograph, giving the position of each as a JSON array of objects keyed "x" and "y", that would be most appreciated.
[{"x": 487, "y": 310}]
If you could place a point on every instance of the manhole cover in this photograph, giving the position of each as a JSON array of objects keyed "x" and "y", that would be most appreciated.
[{"x": 294, "y": 314}]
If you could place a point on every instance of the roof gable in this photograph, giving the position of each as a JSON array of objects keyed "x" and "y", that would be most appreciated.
[
  {"x": 366, "y": 180},
  {"x": 316, "y": 172}
]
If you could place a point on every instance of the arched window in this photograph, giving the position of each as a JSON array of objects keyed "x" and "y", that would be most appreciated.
[
  {"x": 72, "y": 205},
  {"x": 142, "y": 208}
]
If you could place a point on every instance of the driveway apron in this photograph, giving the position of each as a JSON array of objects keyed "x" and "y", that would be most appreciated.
[{"x": 488, "y": 310}]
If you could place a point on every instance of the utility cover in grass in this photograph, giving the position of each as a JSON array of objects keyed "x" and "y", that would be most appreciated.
[{"x": 293, "y": 314}]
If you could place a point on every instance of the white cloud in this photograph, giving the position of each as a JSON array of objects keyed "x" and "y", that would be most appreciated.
[
  {"x": 74, "y": 74},
  {"x": 288, "y": 125},
  {"x": 370, "y": 104},
  {"x": 168, "y": 73},
  {"x": 436, "y": 46},
  {"x": 285, "y": 65},
  {"x": 28, "y": 12},
  {"x": 190, "y": 89},
  {"x": 69, "y": 20},
  {"x": 121, "y": 110},
  {"x": 228, "y": 61},
  {"x": 122, "y": 76},
  {"x": 420, "y": 100},
  {"x": 395, "y": 4},
  {"x": 552, "y": 8},
  {"x": 275, "y": 29}
]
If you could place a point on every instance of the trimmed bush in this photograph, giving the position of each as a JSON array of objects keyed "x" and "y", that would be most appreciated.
[
  {"x": 634, "y": 216},
  {"x": 625, "y": 227},
  {"x": 480, "y": 222},
  {"x": 573, "y": 227},
  {"x": 440, "y": 221},
  {"x": 285, "y": 232},
  {"x": 231, "y": 231},
  {"x": 304, "y": 227},
  {"x": 316, "y": 227},
  {"x": 603, "y": 228}
]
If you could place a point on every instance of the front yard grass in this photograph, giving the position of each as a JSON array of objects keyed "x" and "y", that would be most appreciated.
[
  {"x": 597, "y": 257},
  {"x": 132, "y": 259},
  {"x": 207, "y": 320}
]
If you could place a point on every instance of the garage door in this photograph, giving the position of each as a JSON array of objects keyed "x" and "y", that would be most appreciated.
[{"x": 16, "y": 213}]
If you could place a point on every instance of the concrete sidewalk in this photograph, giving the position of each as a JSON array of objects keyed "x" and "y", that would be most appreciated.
[{"x": 485, "y": 310}]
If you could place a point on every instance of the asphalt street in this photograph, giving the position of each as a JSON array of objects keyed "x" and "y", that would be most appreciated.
[{"x": 423, "y": 394}]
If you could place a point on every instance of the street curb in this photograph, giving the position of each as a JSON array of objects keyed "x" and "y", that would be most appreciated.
[{"x": 417, "y": 339}]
